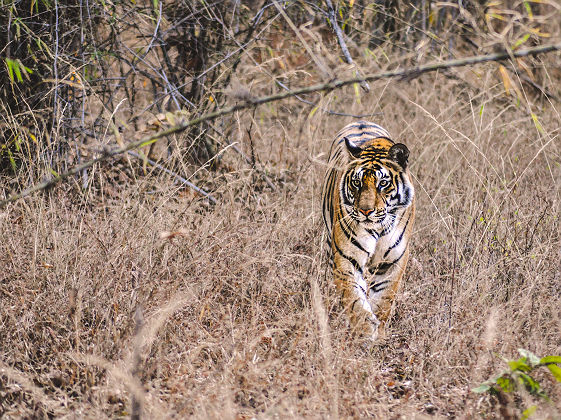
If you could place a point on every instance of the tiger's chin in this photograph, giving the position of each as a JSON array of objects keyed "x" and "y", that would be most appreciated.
[
  {"x": 367, "y": 222},
  {"x": 379, "y": 226}
]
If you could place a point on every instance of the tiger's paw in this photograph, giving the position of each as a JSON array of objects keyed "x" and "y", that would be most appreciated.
[{"x": 368, "y": 330}]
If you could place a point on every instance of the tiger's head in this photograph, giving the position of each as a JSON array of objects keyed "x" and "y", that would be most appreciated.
[{"x": 376, "y": 183}]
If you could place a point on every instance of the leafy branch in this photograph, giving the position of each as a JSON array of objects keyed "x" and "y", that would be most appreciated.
[{"x": 519, "y": 374}]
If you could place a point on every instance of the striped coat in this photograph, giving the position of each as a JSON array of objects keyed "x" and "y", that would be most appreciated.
[{"x": 369, "y": 210}]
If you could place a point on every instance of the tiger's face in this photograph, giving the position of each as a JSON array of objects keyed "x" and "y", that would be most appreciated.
[{"x": 376, "y": 184}]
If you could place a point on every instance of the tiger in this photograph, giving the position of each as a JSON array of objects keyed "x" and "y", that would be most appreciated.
[{"x": 369, "y": 210}]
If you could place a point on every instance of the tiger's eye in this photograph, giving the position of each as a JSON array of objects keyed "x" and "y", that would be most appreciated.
[
  {"x": 383, "y": 184},
  {"x": 355, "y": 183}
]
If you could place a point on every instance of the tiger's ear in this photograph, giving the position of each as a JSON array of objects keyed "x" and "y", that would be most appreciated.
[
  {"x": 399, "y": 153},
  {"x": 352, "y": 148}
]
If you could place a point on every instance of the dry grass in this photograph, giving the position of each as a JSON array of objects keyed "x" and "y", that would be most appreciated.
[{"x": 240, "y": 320}]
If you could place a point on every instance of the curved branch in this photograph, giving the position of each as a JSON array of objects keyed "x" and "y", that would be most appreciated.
[{"x": 251, "y": 102}]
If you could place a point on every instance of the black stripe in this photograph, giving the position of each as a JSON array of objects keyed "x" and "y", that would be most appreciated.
[
  {"x": 354, "y": 303},
  {"x": 346, "y": 188},
  {"x": 330, "y": 208},
  {"x": 346, "y": 199},
  {"x": 398, "y": 239},
  {"x": 378, "y": 287},
  {"x": 350, "y": 235},
  {"x": 374, "y": 166},
  {"x": 361, "y": 125},
  {"x": 335, "y": 155},
  {"x": 354, "y": 262},
  {"x": 396, "y": 178},
  {"x": 363, "y": 133},
  {"x": 373, "y": 233},
  {"x": 383, "y": 267},
  {"x": 328, "y": 193},
  {"x": 355, "y": 285},
  {"x": 406, "y": 199},
  {"x": 326, "y": 214},
  {"x": 386, "y": 230},
  {"x": 357, "y": 300},
  {"x": 380, "y": 269}
]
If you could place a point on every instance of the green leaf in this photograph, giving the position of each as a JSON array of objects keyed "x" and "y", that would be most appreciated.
[
  {"x": 506, "y": 384},
  {"x": 14, "y": 70},
  {"x": 528, "y": 412},
  {"x": 550, "y": 359},
  {"x": 10, "y": 65},
  {"x": 489, "y": 384},
  {"x": 521, "y": 41},
  {"x": 313, "y": 111},
  {"x": 12, "y": 161},
  {"x": 18, "y": 72},
  {"x": 532, "y": 358},
  {"x": 528, "y": 9},
  {"x": 357, "y": 92},
  {"x": 537, "y": 123},
  {"x": 482, "y": 388},
  {"x": 555, "y": 371},
  {"x": 148, "y": 142},
  {"x": 519, "y": 365},
  {"x": 531, "y": 385}
]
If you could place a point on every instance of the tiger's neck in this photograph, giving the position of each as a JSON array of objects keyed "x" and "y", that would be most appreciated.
[{"x": 377, "y": 240}]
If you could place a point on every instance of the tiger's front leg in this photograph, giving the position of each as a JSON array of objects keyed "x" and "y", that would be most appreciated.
[
  {"x": 350, "y": 282},
  {"x": 384, "y": 282}
]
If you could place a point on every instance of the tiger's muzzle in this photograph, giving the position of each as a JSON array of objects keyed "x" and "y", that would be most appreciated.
[{"x": 373, "y": 215}]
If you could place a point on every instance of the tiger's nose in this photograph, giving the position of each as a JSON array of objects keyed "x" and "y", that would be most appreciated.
[
  {"x": 366, "y": 212},
  {"x": 373, "y": 213}
]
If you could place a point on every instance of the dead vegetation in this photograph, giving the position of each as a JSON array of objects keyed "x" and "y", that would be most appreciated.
[{"x": 122, "y": 293}]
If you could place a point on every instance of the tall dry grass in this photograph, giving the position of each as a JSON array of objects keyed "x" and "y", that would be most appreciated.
[
  {"x": 240, "y": 318},
  {"x": 136, "y": 297}
]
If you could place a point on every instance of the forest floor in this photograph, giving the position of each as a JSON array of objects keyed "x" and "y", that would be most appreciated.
[{"x": 226, "y": 311}]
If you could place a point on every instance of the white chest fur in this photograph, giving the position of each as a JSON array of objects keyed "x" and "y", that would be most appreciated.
[
  {"x": 389, "y": 247},
  {"x": 386, "y": 248},
  {"x": 367, "y": 241}
]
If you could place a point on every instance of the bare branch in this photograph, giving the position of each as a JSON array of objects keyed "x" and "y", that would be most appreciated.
[
  {"x": 327, "y": 73},
  {"x": 339, "y": 33},
  {"x": 327, "y": 111},
  {"x": 176, "y": 176}
]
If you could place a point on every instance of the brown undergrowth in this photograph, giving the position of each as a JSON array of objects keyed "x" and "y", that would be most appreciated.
[
  {"x": 124, "y": 294},
  {"x": 240, "y": 319}
]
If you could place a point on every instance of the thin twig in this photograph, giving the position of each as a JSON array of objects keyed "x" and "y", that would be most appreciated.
[
  {"x": 453, "y": 277},
  {"x": 326, "y": 72},
  {"x": 245, "y": 157},
  {"x": 251, "y": 102},
  {"x": 176, "y": 176},
  {"x": 55, "y": 72},
  {"x": 537, "y": 87},
  {"x": 343, "y": 45},
  {"x": 136, "y": 371},
  {"x": 327, "y": 111}
]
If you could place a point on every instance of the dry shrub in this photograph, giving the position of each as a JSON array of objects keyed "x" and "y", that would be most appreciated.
[
  {"x": 240, "y": 318},
  {"x": 231, "y": 327}
]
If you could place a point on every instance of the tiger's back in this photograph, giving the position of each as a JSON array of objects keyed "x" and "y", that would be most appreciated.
[{"x": 368, "y": 209}]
